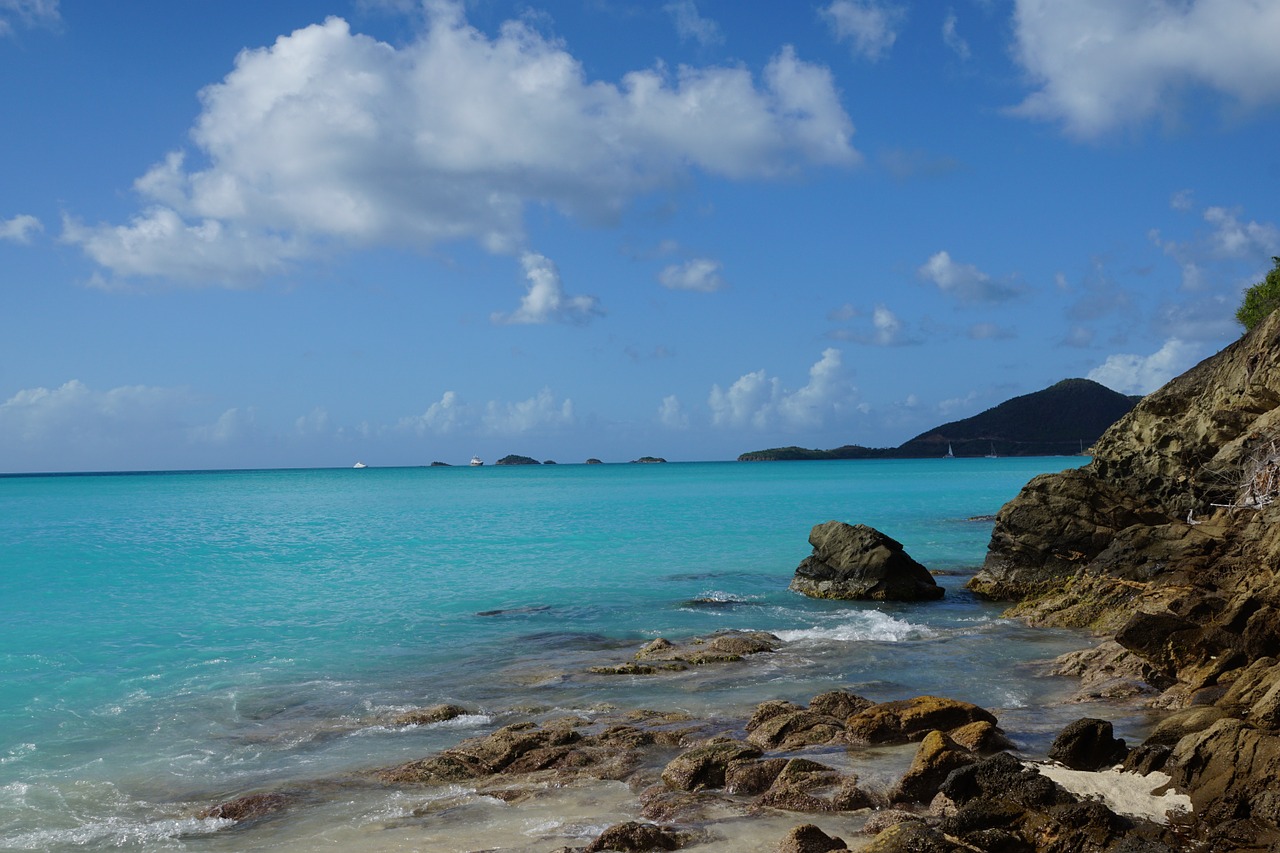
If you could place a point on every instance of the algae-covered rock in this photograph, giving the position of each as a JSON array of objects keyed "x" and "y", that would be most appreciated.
[{"x": 858, "y": 562}]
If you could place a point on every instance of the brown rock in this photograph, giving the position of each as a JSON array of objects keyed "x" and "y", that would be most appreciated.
[
  {"x": 634, "y": 837},
  {"x": 910, "y": 719},
  {"x": 810, "y": 839},
  {"x": 937, "y": 756},
  {"x": 433, "y": 714},
  {"x": 860, "y": 562},
  {"x": 911, "y": 837},
  {"x": 981, "y": 737},
  {"x": 706, "y": 766},
  {"x": 249, "y": 807},
  {"x": 840, "y": 704},
  {"x": 796, "y": 729}
]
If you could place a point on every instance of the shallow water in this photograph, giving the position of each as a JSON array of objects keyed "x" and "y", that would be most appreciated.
[{"x": 171, "y": 640}]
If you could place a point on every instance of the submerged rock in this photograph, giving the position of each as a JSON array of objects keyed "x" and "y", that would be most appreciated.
[
  {"x": 249, "y": 807},
  {"x": 858, "y": 562}
]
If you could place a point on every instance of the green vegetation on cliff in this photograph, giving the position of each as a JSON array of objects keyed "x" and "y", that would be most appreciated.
[
  {"x": 1060, "y": 420},
  {"x": 1261, "y": 299}
]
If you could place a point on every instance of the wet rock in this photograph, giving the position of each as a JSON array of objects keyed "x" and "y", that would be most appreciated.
[
  {"x": 882, "y": 819},
  {"x": 1088, "y": 744},
  {"x": 706, "y": 766},
  {"x": 791, "y": 788},
  {"x": 911, "y": 719},
  {"x": 1002, "y": 777},
  {"x": 982, "y": 737},
  {"x": 768, "y": 709},
  {"x": 937, "y": 756},
  {"x": 249, "y": 807},
  {"x": 840, "y": 704},
  {"x": 810, "y": 839},
  {"x": 725, "y": 647},
  {"x": 1147, "y": 759},
  {"x": 1229, "y": 762},
  {"x": 860, "y": 562},
  {"x": 911, "y": 837},
  {"x": 752, "y": 777},
  {"x": 634, "y": 837},
  {"x": 1179, "y": 724},
  {"x": 433, "y": 714},
  {"x": 796, "y": 729},
  {"x": 1109, "y": 671}
]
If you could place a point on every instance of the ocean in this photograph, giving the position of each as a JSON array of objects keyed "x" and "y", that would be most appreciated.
[{"x": 172, "y": 640}]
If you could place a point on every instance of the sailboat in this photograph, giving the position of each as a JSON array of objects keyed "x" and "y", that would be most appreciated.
[
  {"x": 949, "y": 454},
  {"x": 992, "y": 454}
]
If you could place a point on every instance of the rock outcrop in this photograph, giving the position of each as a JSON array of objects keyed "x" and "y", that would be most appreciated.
[
  {"x": 1168, "y": 542},
  {"x": 857, "y": 562}
]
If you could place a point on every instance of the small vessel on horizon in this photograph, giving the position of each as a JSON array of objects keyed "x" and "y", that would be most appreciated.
[
  {"x": 476, "y": 461},
  {"x": 992, "y": 454},
  {"x": 359, "y": 465},
  {"x": 949, "y": 454}
]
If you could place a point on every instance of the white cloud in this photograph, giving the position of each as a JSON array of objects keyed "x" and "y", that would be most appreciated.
[
  {"x": 20, "y": 228},
  {"x": 1101, "y": 64},
  {"x": 1227, "y": 250},
  {"x": 758, "y": 401},
  {"x": 1182, "y": 200},
  {"x": 952, "y": 38},
  {"x": 965, "y": 281},
  {"x": 1137, "y": 374},
  {"x": 451, "y": 414},
  {"x": 30, "y": 13},
  {"x": 701, "y": 274},
  {"x": 671, "y": 414},
  {"x": 329, "y": 139},
  {"x": 869, "y": 26},
  {"x": 315, "y": 422},
  {"x": 536, "y": 413},
  {"x": 886, "y": 328},
  {"x": 232, "y": 425},
  {"x": 692, "y": 26},
  {"x": 1232, "y": 238},
  {"x": 546, "y": 301}
]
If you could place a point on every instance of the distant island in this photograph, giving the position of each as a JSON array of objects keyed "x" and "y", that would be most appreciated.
[
  {"x": 513, "y": 459},
  {"x": 1062, "y": 420},
  {"x": 646, "y": 460}
]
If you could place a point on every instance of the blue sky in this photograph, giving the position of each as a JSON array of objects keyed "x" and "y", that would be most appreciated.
[{"x": 237, "y": 234}]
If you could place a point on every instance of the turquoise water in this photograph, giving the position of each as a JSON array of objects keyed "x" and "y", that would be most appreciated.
[{"x": 169, "y": 640}]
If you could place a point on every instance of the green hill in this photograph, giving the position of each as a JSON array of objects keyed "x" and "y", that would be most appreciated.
[{"x": 1063, "y": 419}]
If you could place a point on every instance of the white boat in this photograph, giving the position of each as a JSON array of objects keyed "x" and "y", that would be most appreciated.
[
  {"x": 476, "y": 461},
  {"x": 359, "y": 465},
  {"x": 992, "y": 454},
  {"x": 949, "y": 454}
]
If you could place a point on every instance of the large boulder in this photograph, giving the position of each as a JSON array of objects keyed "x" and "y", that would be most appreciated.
[
  {"x": 857, "y": 562},
  {"x": 1088, "y": 744},
  {"x": 905, "y": 720}
]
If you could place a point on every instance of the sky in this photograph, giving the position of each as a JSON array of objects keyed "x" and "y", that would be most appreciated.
[{"x": 237, "y": 234}]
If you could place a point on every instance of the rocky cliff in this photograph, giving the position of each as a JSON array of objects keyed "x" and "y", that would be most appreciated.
[{"x": 1168, "y": 542}]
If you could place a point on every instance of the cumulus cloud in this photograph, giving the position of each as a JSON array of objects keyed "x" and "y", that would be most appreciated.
[
  {"x": 20, "y": 228},
  {"x": 966, "y": 282},
  {"x": 870, "y": 27},
  {"x": 691, "y": 25},
  {"x": 75, "y": 427},
  {"x": 28, "y": 13},
  {"x": 329, "y": 139},
  {"x": 758, "y": 401},
  {"x": 701, "y": 274},
  {"x": 452, "y": 414},
  {"x": 232, "y": 425},
  {"x": 1099, "y": 65},
  {"x": 1138, "y": 374},
  {"x": 671, "y": 414},
  {"x": 538, "y": 412},
  {"x": 546, "y": 301}
]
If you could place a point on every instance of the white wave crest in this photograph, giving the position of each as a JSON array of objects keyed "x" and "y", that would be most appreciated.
[{"x": 864, "y": 626}]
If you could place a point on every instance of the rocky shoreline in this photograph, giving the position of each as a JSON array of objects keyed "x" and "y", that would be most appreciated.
[{"x": 1165, "y": 546}]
